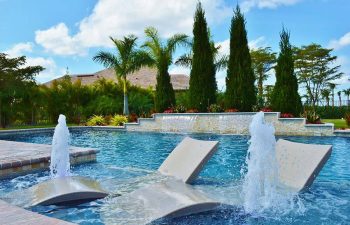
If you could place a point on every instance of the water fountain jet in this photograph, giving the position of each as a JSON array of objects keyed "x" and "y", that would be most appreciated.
[{"x": 59, "y": 163}]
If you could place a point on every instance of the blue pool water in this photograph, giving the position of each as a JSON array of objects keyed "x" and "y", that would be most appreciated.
[{"x": 127, "y": 159}]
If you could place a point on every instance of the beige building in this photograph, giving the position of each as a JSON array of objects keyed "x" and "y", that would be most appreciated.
[{"x": 145, "y": 78}]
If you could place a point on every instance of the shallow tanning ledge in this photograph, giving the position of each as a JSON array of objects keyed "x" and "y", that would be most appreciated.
[
  {"x": 299, "y": 164},
  {"x": 65, "y": 191},
  {"x": 164, "y": 200}
]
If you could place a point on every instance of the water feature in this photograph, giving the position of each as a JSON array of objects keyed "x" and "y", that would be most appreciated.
[
  {"x": 59, "y": 164},
  {"x": 178, "y": 123},
  {"x": 125, "y": 159},
  {"x": 261, "y": 189}
]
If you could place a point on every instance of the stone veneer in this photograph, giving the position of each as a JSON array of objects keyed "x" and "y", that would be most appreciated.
[{"x": 226, "y": 123}]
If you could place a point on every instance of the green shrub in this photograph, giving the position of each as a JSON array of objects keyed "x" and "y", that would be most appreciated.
[
  {"x": 347, "y": 118},
  {"x": 311, "y": 117},
  {"x": 215, "y": 108},
  {"x": 118, "y": 120},
  {"x": 179, "y": 109},
  {"x": 96, "y": 120}
]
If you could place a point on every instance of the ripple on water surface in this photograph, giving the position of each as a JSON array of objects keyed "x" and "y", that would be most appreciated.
[{"x": 127, "y": 161}]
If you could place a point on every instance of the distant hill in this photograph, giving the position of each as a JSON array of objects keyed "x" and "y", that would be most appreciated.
[{"x": 145, "y": 78}]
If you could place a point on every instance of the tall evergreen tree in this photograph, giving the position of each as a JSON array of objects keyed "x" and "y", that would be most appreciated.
[
  {"x": 202, "y": 80},
  {"x": 240, "y": 89},
  {"x": 285, "y": 97}
]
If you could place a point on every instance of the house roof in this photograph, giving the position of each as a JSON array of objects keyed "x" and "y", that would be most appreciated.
[{"x": 145, "y": 78}]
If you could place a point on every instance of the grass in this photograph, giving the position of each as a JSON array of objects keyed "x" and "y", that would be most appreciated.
[
  {"x": 338, "y": 123},
  {"x": 32, "y": 126}
]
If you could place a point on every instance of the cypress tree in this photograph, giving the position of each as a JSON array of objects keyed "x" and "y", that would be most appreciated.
[
  {"x": 203, "y": 85},
  {"x": 285, "y": 96},
  {"x": 165, "y": 95},
  {"x": 240, "y": 90}
]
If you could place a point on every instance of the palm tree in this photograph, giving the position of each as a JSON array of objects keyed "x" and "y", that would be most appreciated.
[
  {"x": 325, "y": 95},
  {"x": 332, "y": 87},
  {"x": 220, "y": 61},
  {"x": 162, "y": 57},
  {"x": 339, "y": 96},
  {"x": 127, "y": 60},
  {"x": 347, "y": 93}
]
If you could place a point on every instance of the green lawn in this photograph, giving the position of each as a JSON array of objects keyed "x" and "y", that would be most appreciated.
[{"x": 338, "y": 123}]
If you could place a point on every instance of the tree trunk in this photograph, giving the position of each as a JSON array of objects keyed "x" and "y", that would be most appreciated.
[
  {"x": 126, "y": 105},
  {"x": 260, "y": 85},
  {"x": 339, "y": 100}
]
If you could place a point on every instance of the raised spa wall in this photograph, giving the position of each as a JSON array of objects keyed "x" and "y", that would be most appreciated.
[{"x": 226, "y": 123}]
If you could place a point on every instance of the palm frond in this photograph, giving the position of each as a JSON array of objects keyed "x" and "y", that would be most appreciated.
[
  {"x": 221, "y": 62},
  {"x": 176, "y": 40},
  {"x": 184, "y": 60},
  {"x": 107, "y": 59},
  {"x": 139, "y": 59},
  {"x": 153, "y": 35}
]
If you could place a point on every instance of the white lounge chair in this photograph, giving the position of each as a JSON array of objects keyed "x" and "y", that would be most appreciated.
[
  {"x": 299, "y": 163},
  {"x": 173, "y": 197},
  {"x": 188, "y": 158},
  {"x": 65, "y": 190}
]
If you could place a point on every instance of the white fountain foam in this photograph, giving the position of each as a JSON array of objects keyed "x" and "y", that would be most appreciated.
[
  {"x": 261, "y": 190},
  {"x": 60, "y": 165}
]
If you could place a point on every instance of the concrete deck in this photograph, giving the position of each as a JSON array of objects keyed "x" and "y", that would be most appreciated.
[
  {"x": 18, "y": 158},
  {"x": 13, "y": 215}
]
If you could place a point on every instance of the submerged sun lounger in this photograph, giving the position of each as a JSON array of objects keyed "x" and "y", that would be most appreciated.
[
  {"x": 299, "y": 164},
  {"x": 174, "y": 197},
  {"x": 187, "y": 160},
  {"x": 65, "y": 190}
]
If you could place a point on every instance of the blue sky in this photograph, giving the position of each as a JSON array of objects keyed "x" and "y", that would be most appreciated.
[{"x": 61, "y": 33}]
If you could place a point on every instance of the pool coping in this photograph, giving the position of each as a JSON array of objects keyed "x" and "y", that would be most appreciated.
[
  {"x": 13, "y": 215},
  {"x": 32, "y": 157}
]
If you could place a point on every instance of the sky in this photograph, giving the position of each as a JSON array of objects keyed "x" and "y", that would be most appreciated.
[{"x": 57, "y": 34}]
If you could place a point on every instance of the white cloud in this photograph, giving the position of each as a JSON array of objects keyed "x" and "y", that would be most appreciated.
[
  {"x": 57, "y": 40},
  {"x": 48, "y": 63},
  {"x": 253, "y": 44},
  {"x": 257, "y": 43},
  {"x": 118, "y": 18},
  {"x": 341, "y": 42},
  {"x": 19, "y": 49},
  {"x": 271, "y": 4}
]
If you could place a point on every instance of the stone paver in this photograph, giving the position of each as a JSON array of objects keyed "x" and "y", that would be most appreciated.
[
  {"x": 13, "y": 215},
  {"x": 20, "y": 157}
]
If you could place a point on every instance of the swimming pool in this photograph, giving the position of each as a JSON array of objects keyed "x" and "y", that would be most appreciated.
[{"x": 127, "y": 161}]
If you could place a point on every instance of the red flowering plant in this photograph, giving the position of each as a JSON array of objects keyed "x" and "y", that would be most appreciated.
[
  {"x": 169, "y": 110},
  {"x": 192, "y": 111},
  {"x": 231, "y": 110},
  {"x": 287, "y": 115},
  {"x": 347, "y": 118},
  {"x": 266, "y": 109},
  {"x": 133, "y": 118}
]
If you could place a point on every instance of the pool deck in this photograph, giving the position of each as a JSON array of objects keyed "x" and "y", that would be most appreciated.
[
  {"x": 17, "y": 158},
  {"x": 13, "y": 215}
]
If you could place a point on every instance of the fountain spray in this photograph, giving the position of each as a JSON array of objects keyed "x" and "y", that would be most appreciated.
[{"x": 59, "y": 164}]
